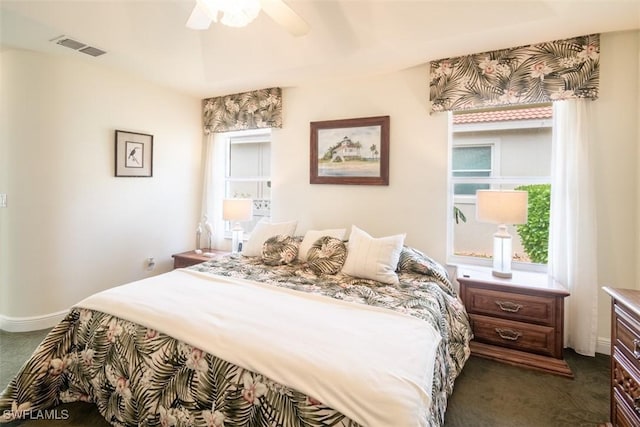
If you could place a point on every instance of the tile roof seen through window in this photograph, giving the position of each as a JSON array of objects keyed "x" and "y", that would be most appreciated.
[{"x": 504, "y": 115}]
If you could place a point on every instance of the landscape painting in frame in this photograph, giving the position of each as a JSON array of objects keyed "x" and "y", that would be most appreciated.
[
  {"x": 134, "y": 154},
  {"x": 350, "y": 151}
]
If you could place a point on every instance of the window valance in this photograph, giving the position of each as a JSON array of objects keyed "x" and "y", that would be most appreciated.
[
  {"x": 544, "y": 72},
  {"x": 249, "y": 110}
]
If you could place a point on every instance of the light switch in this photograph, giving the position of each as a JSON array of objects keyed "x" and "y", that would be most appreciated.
[{"x": 3, "y": 200}]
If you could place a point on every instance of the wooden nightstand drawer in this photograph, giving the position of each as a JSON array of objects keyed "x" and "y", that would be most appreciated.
[
  {"x": 516, "y": 320},
  {"x": 516, "y": 335},
  {"x": 510, "y": 305}
]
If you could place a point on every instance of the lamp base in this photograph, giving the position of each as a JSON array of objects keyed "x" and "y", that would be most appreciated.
[
  {"x": 502, "y": 274},
  {"x": 502, "y": 253},
  {"x": 236, "y": 239}
]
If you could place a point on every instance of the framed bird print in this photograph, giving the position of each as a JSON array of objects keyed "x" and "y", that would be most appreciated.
[{"x": 134, "y": 154}]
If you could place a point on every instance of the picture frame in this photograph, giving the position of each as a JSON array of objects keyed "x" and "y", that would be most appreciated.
[
  {"x": 350, "y": 151},
  {"x": 133, "y": 154}
]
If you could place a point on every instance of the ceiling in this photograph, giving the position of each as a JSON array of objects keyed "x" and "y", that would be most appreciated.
[{"x": 348, "y": 38}]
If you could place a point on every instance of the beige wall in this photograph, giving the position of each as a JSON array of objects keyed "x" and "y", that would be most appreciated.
[
  {"x": 615, "y": 151},
  {"x": 71, "y": 228},
  {"x": 415, "y": 200},
  {"x": 637, "y": 261}
]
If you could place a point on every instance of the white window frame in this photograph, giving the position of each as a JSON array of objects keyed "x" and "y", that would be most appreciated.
[
  {"x": 494, "y": 181},
  {"x": 494, "y": 144},
  {"x": 261, "y": 205}
]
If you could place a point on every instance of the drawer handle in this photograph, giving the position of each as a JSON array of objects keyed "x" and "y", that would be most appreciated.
[
  {"x": 636, "y": 348},
  {"x": 508, "y": 334},
  {"x": 509, "y": 306}
]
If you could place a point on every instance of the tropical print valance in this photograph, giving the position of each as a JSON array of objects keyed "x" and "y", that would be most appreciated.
[
  {"x": 543, "y": 72},
  {"x": 249, "y": 110}
]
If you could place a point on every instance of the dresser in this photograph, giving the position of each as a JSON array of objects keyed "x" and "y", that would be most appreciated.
[
  {"x": 519, "y": 321},
  {"x": 625, "y": 356}
]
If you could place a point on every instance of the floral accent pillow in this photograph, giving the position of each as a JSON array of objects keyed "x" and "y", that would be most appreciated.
[
  {"x": 262, "y": 231},
  {"x": 327, "y": 255},
  {"x": 311, "y": 236},
  {"x": 279, "y": 250}
]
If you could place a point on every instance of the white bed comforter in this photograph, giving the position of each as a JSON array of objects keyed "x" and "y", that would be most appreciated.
[{"x": 373, "y": 365}]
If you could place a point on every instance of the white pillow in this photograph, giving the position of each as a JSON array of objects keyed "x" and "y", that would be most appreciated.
[
  {"x": 373, "y": 258},
  {"x": 262, "y": 231},
  {"x": 311, "y": 236}
]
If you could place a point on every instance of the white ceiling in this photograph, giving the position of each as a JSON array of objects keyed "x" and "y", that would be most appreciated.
[{"x": 348, "y": 38}]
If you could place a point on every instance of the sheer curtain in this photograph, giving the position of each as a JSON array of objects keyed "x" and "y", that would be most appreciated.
[
  {"x": 572, "y": 238},
  {"x": 213, "y": 186}
]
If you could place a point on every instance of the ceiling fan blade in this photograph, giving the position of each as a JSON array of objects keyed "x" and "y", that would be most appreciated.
[
  {"x": 280, "y": 12},
  {"x": 199, "y": 18}
]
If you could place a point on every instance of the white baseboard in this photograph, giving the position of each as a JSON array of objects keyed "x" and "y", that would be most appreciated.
[
  {"x": 33, "y": 323},
  {"x": 603, "y": 345}
]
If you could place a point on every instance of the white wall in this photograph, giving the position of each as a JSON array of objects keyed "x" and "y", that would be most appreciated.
[
  {"x": 616, "y": 157},
  {"x": 415, "y": 200},
  {"x": 638, "y": 163},
  {"x": 71, "y": 228}
]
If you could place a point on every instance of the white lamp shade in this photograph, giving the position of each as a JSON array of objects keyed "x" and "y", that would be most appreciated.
[
  {"x": 237, "y": 209},
  {"x": 501, "y": 206}
]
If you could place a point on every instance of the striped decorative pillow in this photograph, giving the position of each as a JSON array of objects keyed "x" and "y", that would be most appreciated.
[
  {"x": 326, "y": 255},
  {"x": 373, "y": 258}
]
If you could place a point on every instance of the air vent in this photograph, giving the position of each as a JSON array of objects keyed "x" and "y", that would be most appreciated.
[
  {"x": 71, "y": 43},
  {"x": 93, "y": 51},
  {"x": 79, "y": 46}
]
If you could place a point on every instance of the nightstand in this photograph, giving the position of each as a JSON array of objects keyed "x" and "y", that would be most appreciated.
[
  {"x": 519, "y": 321},
  {"x": 187, "y": 259}
]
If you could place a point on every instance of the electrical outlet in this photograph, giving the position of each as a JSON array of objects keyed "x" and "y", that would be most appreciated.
[{"x": 3, "y": 200}]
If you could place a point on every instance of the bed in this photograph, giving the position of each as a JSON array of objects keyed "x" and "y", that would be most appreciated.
[{"x": 268, "y": 340}]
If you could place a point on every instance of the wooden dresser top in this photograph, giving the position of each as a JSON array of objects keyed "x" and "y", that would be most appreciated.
[
  {"x": 628, "y": 297},
  {"x": 522, "y": 279}
]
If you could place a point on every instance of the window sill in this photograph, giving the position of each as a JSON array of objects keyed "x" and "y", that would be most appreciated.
[{"x": 459, "y": 261}]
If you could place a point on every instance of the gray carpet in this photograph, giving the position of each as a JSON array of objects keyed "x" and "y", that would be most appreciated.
[{"x": 487, "y": 393}]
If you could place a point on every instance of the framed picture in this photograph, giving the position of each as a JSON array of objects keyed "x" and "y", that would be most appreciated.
[
  {"x": 351, "y": 151},
  {"x": 134, "y": 154}
]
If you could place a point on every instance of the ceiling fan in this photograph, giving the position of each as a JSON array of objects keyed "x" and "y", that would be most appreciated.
[{"x": 238, "y": 13}]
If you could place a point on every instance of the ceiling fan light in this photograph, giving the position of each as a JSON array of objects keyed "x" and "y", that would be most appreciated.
[
  {"x": 211, "y": 8},
  {"x": 238, "y": 13}
]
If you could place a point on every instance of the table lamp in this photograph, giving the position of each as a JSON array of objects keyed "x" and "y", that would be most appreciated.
[
  {"x": 501, "y": 207},
  {"x": 237, "y": 210}
]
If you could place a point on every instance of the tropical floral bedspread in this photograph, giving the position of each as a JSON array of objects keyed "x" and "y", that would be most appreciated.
[{"x": 139, "y": 376}]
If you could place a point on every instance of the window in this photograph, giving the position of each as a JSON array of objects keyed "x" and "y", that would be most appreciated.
[
  {"x": 470, "y": 160},
  {"x": 507, "y": 148},
  {"x": 248, "y": 171}
]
